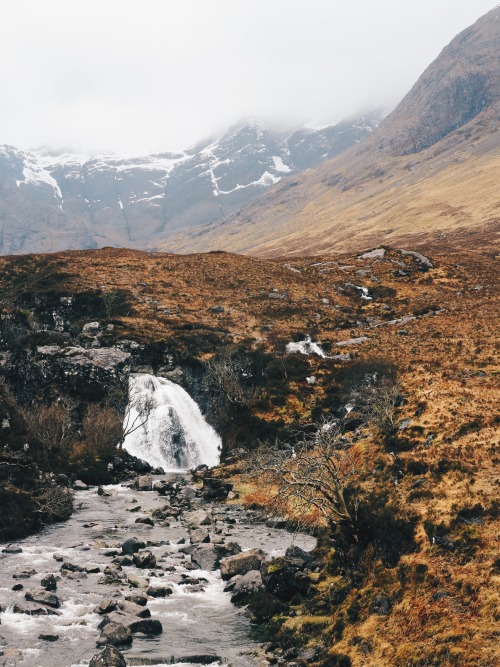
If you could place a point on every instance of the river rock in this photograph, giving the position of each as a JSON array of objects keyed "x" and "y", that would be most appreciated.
[
  {"x": 134, "y": 609},
  {"x": 241, "y": 563},
  {"x": 215, "y": 489},
  {"x": 12, "y": 549},
  {"x": 284, "y": 579},
  {"x": 199, "y": 536},
  {"x": 110, "y": 657},
  {"x": 146, "y": 626},
  {"x": 137, "y": 582},
  {"x": 106, "y": 606},
  {"x": 115, "y": 634},
  {"x": 137, "y": 598},
  {"x": 143, "y": 483},
  {"x": 299, "y": 554},
  {"x": 43, "y": 597},
  {"x": 196, "y": 519},
  {"x": 78, "y": 485},
  {"x": 32, "y": 609},
  {"x": 206, "y": 556},
  {"x": 145, "y": 519},
  {"x": 132, "y": 546},
  {"x": 49, "y": 582},
  {"x": 144, "y": 560},
  {"x": 244, "y": 586},
  {"x": 48, "y": 638},
  {"x": 159, "y": 591}
]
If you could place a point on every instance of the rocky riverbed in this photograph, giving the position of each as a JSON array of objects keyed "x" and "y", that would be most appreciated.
[{"x": 155, "y": 572}]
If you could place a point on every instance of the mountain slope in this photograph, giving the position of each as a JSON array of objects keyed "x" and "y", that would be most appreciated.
[
  {"x": 432, "y": 167},
  {"x": 50, "y": 202}
]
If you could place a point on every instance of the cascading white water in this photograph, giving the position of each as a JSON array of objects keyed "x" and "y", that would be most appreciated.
[{"x": 175, "y": 435}]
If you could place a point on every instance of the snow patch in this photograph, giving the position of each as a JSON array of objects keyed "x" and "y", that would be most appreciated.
[
  {"x": 306, "y": 347},
  {"x": 279, "y": 165}
]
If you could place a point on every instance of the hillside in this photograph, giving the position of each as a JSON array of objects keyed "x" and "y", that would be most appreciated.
[
  {"x": 75, "y": 323},
  {"x": 429, "y": 170},
  {"x": 55, "y": 202}
]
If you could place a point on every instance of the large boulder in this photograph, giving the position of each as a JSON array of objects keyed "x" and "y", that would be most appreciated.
[
  {"x": 283, "y": 578},
  {"x": 43, "y": 597},
  {"x": 143, "y": 483},
  {"x": 243, "y": 587},
  {"x": 299, "y": 554},
  {"x": 215, "y": 489},
  {"x": 263, "y": 606},
  {"x": 196, "y": 519},
  {"x": 144, "y": 560},
  {"x": 146, "y": 626},
  {"x": 109, "y": 657},
  {"x": 241, "y": 563},
  {"x": 115, "y": 634},
  {"x": 132, "y": 546}
]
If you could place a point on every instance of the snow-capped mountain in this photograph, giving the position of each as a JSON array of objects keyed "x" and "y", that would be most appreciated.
[{"x": 52, "y": 202}]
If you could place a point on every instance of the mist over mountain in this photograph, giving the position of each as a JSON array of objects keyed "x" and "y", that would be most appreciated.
[
  {"x": 432, "y": 168},
  {"x": 51, "y": 202}
]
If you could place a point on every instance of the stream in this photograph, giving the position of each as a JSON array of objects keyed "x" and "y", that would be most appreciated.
[{"x": 200, "y": 625}]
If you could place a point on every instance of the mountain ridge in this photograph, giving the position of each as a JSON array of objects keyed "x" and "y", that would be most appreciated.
[
  {"x": 51, "y": 202},
  {"x": 391, "y": 188}
]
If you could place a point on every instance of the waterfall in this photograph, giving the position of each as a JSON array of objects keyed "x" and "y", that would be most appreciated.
[{"x": 175, "y": 436}]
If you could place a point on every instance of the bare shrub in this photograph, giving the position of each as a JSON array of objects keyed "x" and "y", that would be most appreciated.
[
  {"x": 229, "y": 372},
  {"x": 101, "y": 430},
  {"x": 133, "y": 409},
  {"x": 56, "y": 504},
  {"x": 313, "y": 473},
  {"x": 52, "y": 425}
]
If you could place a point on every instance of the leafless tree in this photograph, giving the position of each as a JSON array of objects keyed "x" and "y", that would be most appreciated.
[
  {"x": 135, "y": 408},
  {"x": 313, "y": 472}
]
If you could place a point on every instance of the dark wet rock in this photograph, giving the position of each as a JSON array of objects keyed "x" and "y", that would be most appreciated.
[
  {"x": 71, "y": 567},
  {"x": 299, "y": 554},
  {"x": 132, "y": 546},
  {"x": 241, "y": 563},
  {"x": 144, "y": 560},
  {"x": 208, "y": 556},
  {"x": 12, "y": 549},
  {"x": 143, "y": 483},
  {"x": 78, "y": 485},
  {"x": 137, "y": 598},
  {"x": 33, "y": 609},
  {"x": 49, "y": 582},
  {"x": 263, "y": 606},
  {"x": 110, "y": 657},
  {"x": 123, "y": 560},
  {"x": 92, "y": 570},
  {"x": 381, "y": 605},
  {"x": 283, "y": 578},
  {"x": 112, "y": 577},
  {"x": 115, "y": 634},
  {"x": 159, "y": 591},
  {"x": 106, "y": 606},
  {"x": 146, "y": 520},
  {"x": 48, "y": 638},
  {"x": 17, "y": 587},
  {"x": 106, "y": 493},
  {"x": 192, "y": 581},
  {"x": 146, "y": 626},
  {"x": 136, "y": 508},
  {"x": 215, "y": 489},
  {"x": 25, "y": 574},
  {"x": 43, "y": 597}
]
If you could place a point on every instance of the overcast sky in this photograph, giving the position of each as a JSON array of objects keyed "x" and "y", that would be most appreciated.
[{"x": 154, "y": 75}]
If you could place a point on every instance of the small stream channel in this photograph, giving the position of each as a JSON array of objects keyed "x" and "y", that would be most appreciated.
[{"x": 196, "y": 622}]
